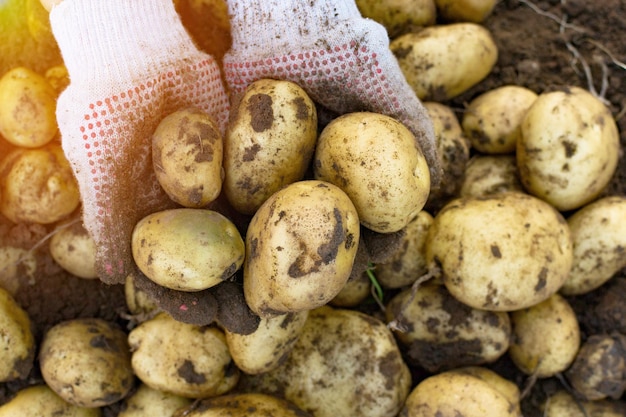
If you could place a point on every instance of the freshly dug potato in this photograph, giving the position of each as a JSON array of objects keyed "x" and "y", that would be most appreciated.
[
  {"x": 58, "y": 77},
  {"x": 41, "y": 401},
  {"x": 86, "y": 361},
  {"x": 502, "y": 252},
  {"x": 356, "y": 290},
  {"x": 75, "y": 251},
  {"x": 345, "y": 363},
  {"x": 441, "y": 333},
  {"x": 300, "y": 248},
  {"x": 399, "y": 16},
  {"x": 37, "y": 185},
  {"x": 138, "y": 302},
  {"x": 149, "y": 402},
  {"x": 27, "y": 108},
  {"x": 546, "y": 337},
  {"x": 269, "y": 142},
  {"x": 377, "y": 162},
  {"x": 17, "y": 342},
  {"x": 440, "y": 62},
  {"x": 467, "y": 392},
  {"x": 187, "y": 249},
  {"x": 563, "y": 404},
  {"x": 599, "y": 236},
  {"x": 244, "y": 405},
  {"x": 187, "y": 153},
  {"x": 268, "y": 346},
  {"x": 490, "y": 174},
  {"x": 568, "y": 149},
  {"x": 465, "y": 10},
  {"x": 492, "y": 120},
  {"x": 17, "y": 266},
  {"x": 182, "y": 359}
]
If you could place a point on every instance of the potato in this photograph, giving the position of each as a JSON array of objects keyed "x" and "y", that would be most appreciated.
[
  {"x": 563, "y": 404},
  {"x": 467, "y": 392},
  {"x": 269, "y": 142},
  {"x": 187, "y": 153},
  {"x": 74, "y": 250},
  {"x": 492, "y": 120},
  {"x": 58, "y": 77},
  {"x": 86, "y": 361},
  {"x": 440, "y": 62},
  {"x": 268, "y": 346},
  {"x": 490, "y": 174},
  {"x": 17, "y": 342},
  {"x": 546, "y": 337},
  {"x": 377, "y": 162},
  {"x": 17, "y": 266},
  {"x": 599, "y": 236},
  {"x": 27, "y": 108},
  {"x": 244, "y": 405},
  {"x": 138, "y": 302},
  {"x": 182, "y": 359},
  {"x": 148, "y": 402},
  {"x": 441, "y": 333},
  {"x": 41, "y": 401},
  {"x": 465, "y": 10},
  {"x": 300, "y": 248},
  {"x": 399, "y": 16},
  {"x": 345, "y": 363},
  {"x": 37, "y": 185},
  {"x": 502, "y": 252},
  {"x": 356, "y": 290},
  {"x": 187, "y": 249},
  {"x": 568, "y": 149}
]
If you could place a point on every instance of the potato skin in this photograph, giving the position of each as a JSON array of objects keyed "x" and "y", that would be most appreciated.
[
  {"x": 41, "y": 401},
  {"x": 563, "y": 404},
  {"x": 245, "y": 405},
  {"x": 490, "y": 174},
  {"x": 17, "y": 342},
  {"x": 475, "y": 11},
  {"x": 73, "y": 249},
  {"x": 399, "y": 16},
  {"x": 146, "y": 402}
]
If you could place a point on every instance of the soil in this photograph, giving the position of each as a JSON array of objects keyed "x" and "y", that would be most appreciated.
[{"x": 544, "y": 45}]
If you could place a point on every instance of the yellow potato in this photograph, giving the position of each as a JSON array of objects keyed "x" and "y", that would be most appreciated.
[
  {"x": 563, "y": 404},
  {"x": 17, "y": 342},
  {"x": 490, "y": 174},
  {"x": 399, "y": 16},
  {"x": 355, "y": 291},
  {"x": 465, "y": 10},
  {"x": 138, "y": 302},
  {"x": 244, "y": 405},
  {"x": 149, "y": 402},
  {"x": 17, "y": 266},
  {"x": 41, "y": 401},
  {"x": 75, "y": 251},
  {"x": 58, "y": 77}
]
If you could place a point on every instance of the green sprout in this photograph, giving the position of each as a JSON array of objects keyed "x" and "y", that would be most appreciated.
[{"x": 377, "y": 290}]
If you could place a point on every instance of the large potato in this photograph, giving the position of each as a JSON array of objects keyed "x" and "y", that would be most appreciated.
[
  {"x": 502, "y": 252},
  {"x": 149, "y": 402},
  {"x": 41, "y": 401},
  {"x": 244, "y": 405},
  {"x": 440, "y": 62},
  {"x": 377, "y": 162},
  {"x": 187, "y": 249},
  {"x": 17, "y": 343},
  {"x": 399, "y": 16},
  {"x": 74, "y": 250},
  {"x": 300, "y": 248},
  {"x": 269, "y": 142},
  {"x": 568, "y": 149}
]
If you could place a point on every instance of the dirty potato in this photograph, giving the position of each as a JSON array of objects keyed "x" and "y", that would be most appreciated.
[
  {"x": 490, "y": 174},
  {"x": 17, "y": 267},
  {"x": 502, "y": 252},
  {"x": 41, "y": 401},
  {"x": 17, "y": 343},
  {"x": 74, "y": 250},
  {"x": 356, "y": 290},
  {"x": 139, "y": 304},
  {"x": 300, "y": 248},
  {"x": 187, "y": 150},
  {"x": 243, "y": 405},
  {"x": 269, "y": 143},
  {"x": 377, "y": 162},
  {"x": 399, "y": 16},
  {"x": 149, "y": 402},
  {"x": 563, "y": 404},
  {"x": 475, "y": 11}
]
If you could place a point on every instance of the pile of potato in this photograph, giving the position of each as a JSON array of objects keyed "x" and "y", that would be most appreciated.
[{"x": 486, "y": 264}]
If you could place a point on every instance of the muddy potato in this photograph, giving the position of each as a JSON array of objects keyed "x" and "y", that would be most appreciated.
[
  {"x": 269, "y": 345},
  {"x": 74, "y": 250},
  {"x": 568, "y": 149},
  {"x": 492, "y": 120},
  {"x": 376, "y": 161},
  {"x": 399, "y": 16},
  {"x": 465, "y": 10},
  {"x": 468, "y": 391},
  {"x": 182, "y": 359},
  {"x": 86, "y": 361},
  {"x": 441, "y": 333},
  {"x": 563, "y": 404},
  {"x": 345, "y": 363},
  {"x": 138, "y": 302},
  {"x": 490, "y": 174},
  {"x": 356, "y": 290},
  {"x": 17, "y": 342},
  {"x": 546, "y": 337},
  {"x": 187, "y": 249},
  {"x": 187, "y": 152},
  {"x": 502, "y": 252},
  {"x": 17, "y": 266},
  {"x": 300, "y": 248},
  {"x": 440, "y": 62},
  {"x": 37, "y": 185},
  {"x": 269, "y": 142},
  {"x": 244, "y": 405},
  {"x": 27, "y": 108},
  {"x": 599, "y": 238},
  {"x": 149, "y": 402},
  {"x": 41, "y": 401}
]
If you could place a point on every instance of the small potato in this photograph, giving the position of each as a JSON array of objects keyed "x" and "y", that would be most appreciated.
[
  {"x": 86, "y": 361},
  {"x": 138, "y": 302},
  {"x": 492, "y": 120},
  {"x": 75, "y": 251},
  {"x": 300, "y": 248},
  {"x": 27, "y": 108},
  {"x": 546, "y": 337},
  {"x": 17, "y": 266},
  {"x": 58, "y": 77},
  {"x": 475, "y": 11},
  {"x": 356, "y": 290},
  {"x": 37, "y": 185},
  {"x": 149, "y": 402},
  {"x": 244, "y": 405},
  {"x": 490, "y": 174},
  {"x": 568, "y": 149},
  {"x": 441, "y": 333},
  {"x": 345, "y": 363},
  {"x": 187, "y": 152},
  {"x": 563, "y": 404},
  {"x": 399, "y": 16},
  {"x": 269, "y": 142},
  {"x": 17, "y": 343},
  {"x": 599, "y": 236},
  {"x": 467, "y": 392},
  {"x": 502, "y": 252},
  {"x": 41, "y": 401},
  {"x": 182, "y": 359},
  {"x": 187, "y": 249},
  {"x": 440, "y": 62},
  {"x": 376, "y": 161}
]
